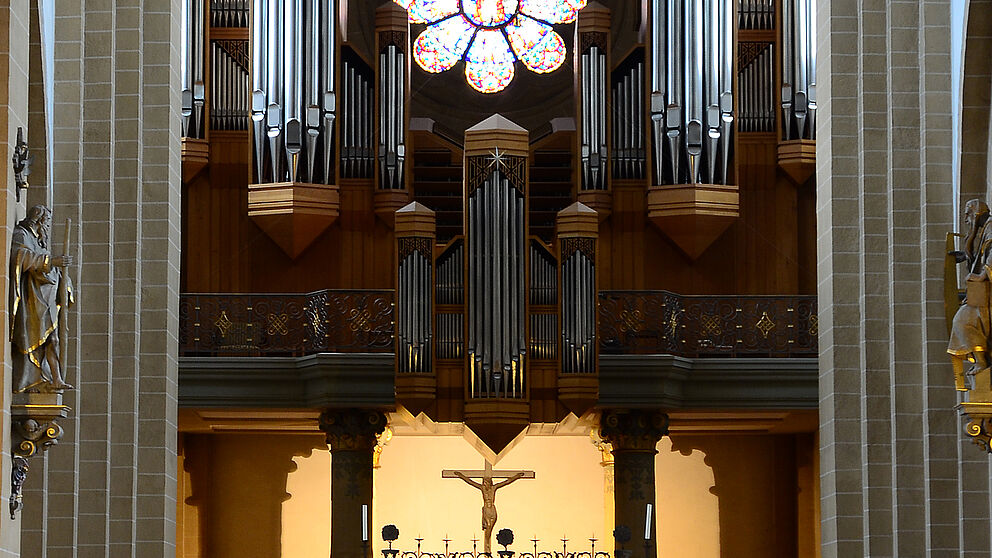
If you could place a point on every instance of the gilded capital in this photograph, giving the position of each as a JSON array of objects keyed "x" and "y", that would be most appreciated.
[
  {"x": 352, "y": 429},
  {"x": 634, "y": 429}
]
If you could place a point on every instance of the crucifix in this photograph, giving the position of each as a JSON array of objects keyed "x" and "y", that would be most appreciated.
[{"x": 488, "y": 490}]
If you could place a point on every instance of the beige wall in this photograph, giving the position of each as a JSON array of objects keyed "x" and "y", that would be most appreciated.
[{"x": 734, "y": 496}]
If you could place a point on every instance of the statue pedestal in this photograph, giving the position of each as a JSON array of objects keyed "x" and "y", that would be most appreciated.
[
  {"x": 979, "y": 427},
  {"x": 33, "y": 418},
  {"x": 33, "y": 428}
]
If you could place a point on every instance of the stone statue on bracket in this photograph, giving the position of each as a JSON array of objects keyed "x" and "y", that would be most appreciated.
[
  {"x": 40, "y": 295},
  {"x": 971, "y": 327}
]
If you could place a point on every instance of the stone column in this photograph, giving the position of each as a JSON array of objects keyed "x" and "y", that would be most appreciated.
[
  {"x": 890, "y": 479},
  {"x": 351, "y": 437},
  {"x": 634, "y": 435}
]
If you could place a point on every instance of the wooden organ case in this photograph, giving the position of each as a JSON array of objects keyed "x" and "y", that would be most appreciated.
[{"x": 515, "y": 248}]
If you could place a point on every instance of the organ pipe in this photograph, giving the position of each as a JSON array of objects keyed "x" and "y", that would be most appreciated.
[
  {"x": 392, "y": 98},
  {"x": 292, "y": 89},
  {"x": 192, "y": 70},
  {"x": 496, "y": 257},
  {"x": 692, "y": 46},
  {"x": 414, "y": 331},
  {"x": 593, "y": 78},
  {"x": 799, "y": 69},
  {"x": 578, "y": 308},
  {"x": 628, "y": 116},
  {"x": 356, "y": 118},
  {"x": 229, "y": 86}
]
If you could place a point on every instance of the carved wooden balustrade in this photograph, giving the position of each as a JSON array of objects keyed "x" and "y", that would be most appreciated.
[
  {"x": 630, "y": 322},
  {"x": 660, "y": 322},
  {"x": 344, "y": 321}
]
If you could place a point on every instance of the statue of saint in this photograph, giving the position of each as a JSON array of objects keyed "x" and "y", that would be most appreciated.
[{"x": 36, "y": 297}]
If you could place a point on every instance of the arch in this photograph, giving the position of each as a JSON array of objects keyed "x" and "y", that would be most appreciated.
[{"x": 976, "y": 100}]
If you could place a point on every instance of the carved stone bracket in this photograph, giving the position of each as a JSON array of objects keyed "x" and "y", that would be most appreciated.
[
  {"x": 34, "y": 429},
  {"x": 979, "y": 427},
  {"x": 633, "y": 430},
  {"x": 352, "y": 429}
]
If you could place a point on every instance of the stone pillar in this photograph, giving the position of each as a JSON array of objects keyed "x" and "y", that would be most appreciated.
[
  {"x": 890, "y": 478},
  {"x": 351, "y": 437},
  {"x": 110, "y": 488},
  {"x": 634, "y": 435}
]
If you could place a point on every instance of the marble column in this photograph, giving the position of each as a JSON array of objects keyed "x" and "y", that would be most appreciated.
[
  {"x": 634, "y": 435},
  {"x": 351, "y": 438}
]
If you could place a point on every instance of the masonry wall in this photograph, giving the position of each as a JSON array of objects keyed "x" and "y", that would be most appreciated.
[
  {"x": 896, "y": 477},
  {"x": 109, "y": 488}
]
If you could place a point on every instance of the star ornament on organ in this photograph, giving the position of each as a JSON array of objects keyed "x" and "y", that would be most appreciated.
[{"x": 490, "y": 36}]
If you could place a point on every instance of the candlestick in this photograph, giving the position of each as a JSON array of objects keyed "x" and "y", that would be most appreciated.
[
  {"x": 365, "y": 523},
  {"x": 647, "y": 523}
]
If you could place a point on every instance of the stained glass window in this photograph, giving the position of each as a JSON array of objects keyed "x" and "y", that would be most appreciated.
[{"x": 490, "y": 35}]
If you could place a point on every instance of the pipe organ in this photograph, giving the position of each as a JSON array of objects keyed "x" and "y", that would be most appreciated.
[
  {"x": 293, "y": 90},
  {"x": 578, "y": 312},
  {"x": 392, "y": 101},
  {"x": 756, "y": 14},
  {"x": 628, "y": 119},
  {"x": 449, "y": 288},
  {"x": 543, "y": 281},
  {"x": 495, "y": 231},
  {"x": 229, "y": 13},
  {"x": 798, "y": 69},
  {"x": 693, "y": 197},
  {"x": 229, "y": 85},
  {"x": 414, "y": 314},
  {"x": 692, "y": 99},
  {"x": 593, "y": 78},
  {"x": 797, "y": 124},
  {"x": 498, "y": 314},
  {"x": 544, "y": 334},
  {"x": 192, "y": 62},
  {"x": 356, "y": 118},
  {"x": 756, "y": 79}
]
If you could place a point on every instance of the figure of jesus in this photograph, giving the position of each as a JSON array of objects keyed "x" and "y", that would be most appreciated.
[{"x": 488, "y": 489}]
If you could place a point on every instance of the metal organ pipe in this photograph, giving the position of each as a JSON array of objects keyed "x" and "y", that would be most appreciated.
[
  {"x": 292, "y": 58},
  {"x": 692, "y": 104},
  {"x": 799, "y": 68},
  {"x": 496, "y": 262},
  {"x": 414, "y": 331},
  {"x": 392, "y": 65},
  {"x": 578, "y": 335},
  {"x": 192, "y": 68}
]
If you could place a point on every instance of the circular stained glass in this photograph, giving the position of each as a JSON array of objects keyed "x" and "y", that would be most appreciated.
[
  {"x": 490, "y": 36},
  {"x": 489, "y": 13}
]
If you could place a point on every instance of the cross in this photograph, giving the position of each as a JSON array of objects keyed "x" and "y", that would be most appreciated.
[{"x": 488, "y": 490}]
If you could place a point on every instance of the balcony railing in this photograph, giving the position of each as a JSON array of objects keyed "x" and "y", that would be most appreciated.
[
  {"x": 345, "y": 321},
  {"x": 652, "y": 322},
  {"x": 630, "y": 322}
]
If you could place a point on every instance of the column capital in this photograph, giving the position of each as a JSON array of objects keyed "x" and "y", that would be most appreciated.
[
  {"x": 633, "y": 429},
  {"x": 352, "y": 429}
]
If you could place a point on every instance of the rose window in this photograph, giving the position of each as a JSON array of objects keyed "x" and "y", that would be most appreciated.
[{"x": 490, "y": 36}]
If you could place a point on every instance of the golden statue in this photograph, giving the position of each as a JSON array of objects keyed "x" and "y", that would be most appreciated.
[{"x": 40, "y": 293}]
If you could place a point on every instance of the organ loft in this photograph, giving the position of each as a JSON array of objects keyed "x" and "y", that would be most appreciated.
[{"x": 572, "y": 239}]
